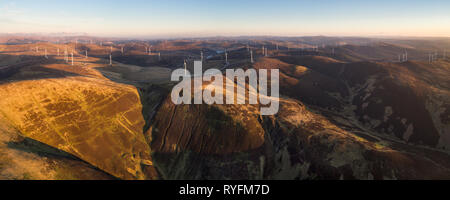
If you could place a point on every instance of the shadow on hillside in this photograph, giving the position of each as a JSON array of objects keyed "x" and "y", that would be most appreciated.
[
  {"x": 32, "y": 68},
  {"x": 32, "y": 146}
]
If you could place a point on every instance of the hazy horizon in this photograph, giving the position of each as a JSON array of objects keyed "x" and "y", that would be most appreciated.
[
  {"x": 152, "y": 19},
  {"x": 181, "y": 36}
]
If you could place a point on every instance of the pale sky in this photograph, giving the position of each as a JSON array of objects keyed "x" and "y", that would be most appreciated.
[{"x": 228, "y": 17}]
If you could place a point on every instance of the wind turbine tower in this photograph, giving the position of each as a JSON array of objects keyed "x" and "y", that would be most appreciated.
[
  {"x": 251, "y": 56},
  {"x": 66, "y": 55},
  {"x": 72, "y": 57},
  {"x": 226, "y": 56},
  {"x": 185, "y": 68},
  {"x": 110, "y": 59}
]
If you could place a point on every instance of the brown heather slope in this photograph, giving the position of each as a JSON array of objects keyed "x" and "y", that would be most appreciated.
[
  {"x": 306, "y": 84},
  {"x": 213, "y": 129},
  {"x": 408, "y": 101},
  {"x": 296, "y": 144}
]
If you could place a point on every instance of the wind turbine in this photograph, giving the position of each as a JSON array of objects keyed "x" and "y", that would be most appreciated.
[
  {"x": 66, "y": 55},
  {"x": 185, "y": 68},
  {"x": 86, "y": 54},
  {"x": 251, "y": 56},
  {"x": 406, "y": 55},
  {"x": 201, "y": 56},
  {"x": 72, "y": 57},
  {"x": 226, "y": 57},
  {"x": 110, "y": 59}
]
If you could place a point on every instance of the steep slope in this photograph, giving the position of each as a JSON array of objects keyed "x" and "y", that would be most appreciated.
[
  {"x": 78, "y": 111},
  {"x": 96, "y": 121},
  {"x": 294, "y": 144},
  {"x": 408, "y": 101},
  {"x": 329, "y": 152},
  {"x": 306, "y": 84},
  {"x": 24, "y": 158}
]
